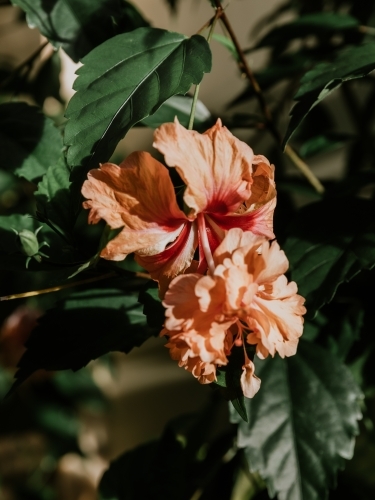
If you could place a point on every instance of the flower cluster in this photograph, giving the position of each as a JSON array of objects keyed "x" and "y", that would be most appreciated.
[{"x": 236, "y": 292}]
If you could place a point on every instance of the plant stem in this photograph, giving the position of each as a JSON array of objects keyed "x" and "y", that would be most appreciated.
[
  {"x": 25, "y": 63},
  {"x": 245, "y": 68},
  {"x": 211, "y": 22},
  {"x": 33, "y": 293}
]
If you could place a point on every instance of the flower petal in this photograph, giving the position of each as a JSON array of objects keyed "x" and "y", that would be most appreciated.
[
  {"x": 138, "y": 195},
  {"x": 215, "y": 166},
  {"x": 235, "y": 239},
  {"x": 258, "y": 221},
  {"x": 174, "y": 260},
  {"x": 250, "y": 383}
]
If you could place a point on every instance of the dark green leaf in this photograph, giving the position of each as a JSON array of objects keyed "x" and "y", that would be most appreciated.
[
  {"x": 284, "y": 67},
  {"x": 152, "y": 306},
  {"x": 141, "y": 473},
  {"x": 317, "y": 84},
  {"x": 302, "y": 423},
  {"x": 126, "y": 475},
  {"x": 318, "y": 145},
  {"x": 310, "y": 24},
  {"x": 123, "y": 81},
  {"x": 346, "y": 328},
  {"x": 29, "y": 142},
  {"x": 53, "y": 197},
  {"x": 83, "y": 327},
  {"x": 228, "y": 379},
  {"x": 78, "y": 26},
  {"x": 179, "y": 106},
  {"x": 329, "y": 243}
]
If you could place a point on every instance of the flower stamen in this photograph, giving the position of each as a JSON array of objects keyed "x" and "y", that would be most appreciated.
[{"x": 205, "y": 244}]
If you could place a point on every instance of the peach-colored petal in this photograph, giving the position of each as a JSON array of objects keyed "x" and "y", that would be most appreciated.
[
  {"x": 138, "y": 195},
  {"x": 181, "y": 303},
  {"x": 174, "y": 260},
  {"x": 215, "y": 166},
  {"x": 250, "y": 383},
  {"x": 259, "y": 221},
  {"x": 274, "y": 263},
  {"x": 234, "y": 239},
  {"x": 263, "y": 188}
]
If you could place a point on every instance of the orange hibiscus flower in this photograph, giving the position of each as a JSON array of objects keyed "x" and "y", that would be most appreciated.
[
  {"x": 226, "y": 186},
  {"x": 246, "y": 299}
]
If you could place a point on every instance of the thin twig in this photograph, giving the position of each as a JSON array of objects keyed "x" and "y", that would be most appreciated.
[
  {"x": 211, "y": 23},
  {"x": 24, "y": 64},
  {"x": 245, "y": 68},
  {"x": 33, "y": 293}
]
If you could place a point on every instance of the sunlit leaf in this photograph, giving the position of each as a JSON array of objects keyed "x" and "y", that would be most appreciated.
[
  {"x": 302, "y": 423},
  {"x": 29, "y": 141},
  {"x": 123, "y": 81},
  {"x": 180, "y": 106},
  {"x": 78, "y": 26}
]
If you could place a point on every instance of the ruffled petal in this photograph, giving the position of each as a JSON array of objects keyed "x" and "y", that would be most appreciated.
[
  {"x": 250, "y": 383},
  {"x": 138, "y": 195},
  {"x": 174, "y": 260},
  {"x": 272, "y": 263},
  {"x": 263, "y": 189},
  {"x": 235, "y": 239},
  {"x": 215, "y": 166}
]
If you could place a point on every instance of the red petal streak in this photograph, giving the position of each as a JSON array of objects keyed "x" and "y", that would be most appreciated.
[
  {"x": 253, "y": 221},
  {"x": 160, "y": 259},
  {"x": 213, "y": 241}
]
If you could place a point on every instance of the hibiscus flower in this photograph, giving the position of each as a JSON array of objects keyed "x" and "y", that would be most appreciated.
[
  {"x": 245, "y": 300},
  {"x": 226, "y": 186}
]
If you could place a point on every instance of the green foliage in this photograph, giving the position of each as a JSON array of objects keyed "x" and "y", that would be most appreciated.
[
  {"x": 29, "y": 142},
  {"x": 228, "y": 380},
  {"x": 152, "y": 306},
  {"x": 302, "y": 423},
  {"x": 123, "y": 81},
  {"x": 310, "y": 24},
  {"x": 181, "y": 464},
  {"x": 179, "y": 106},
  {"x": 78, "y": 26},
  {"x": 317, "y": 84},
  {"x": 83, "y": 327},
  {"x": 53, "y": 198},
  {"x": 328, "y": 243}
]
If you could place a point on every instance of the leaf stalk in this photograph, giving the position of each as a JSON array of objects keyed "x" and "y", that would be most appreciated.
[{"x": 246, "y": 70}]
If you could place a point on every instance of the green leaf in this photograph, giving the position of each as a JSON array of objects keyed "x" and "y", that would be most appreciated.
[
  {"x": 83, "y": 327},
  {"x": 320, "y": 144},
  {"x": 317, "y": 84},
  {"x": 302, "y": 423},
  {"x": 185, "y": 451},
  {"x": 53, "y": 198},
  {"x": 283, "y": 67},
  {"x": 229, "y": 380},
  {"x": 78, "y": 26},
  {"x": 227, "y": 43},
  {"x": 152, "y": 307},
  {"x": 180, "y": 106},
  {"x": 310, "y": 24},
  {"x": 29, "y": 141},
  {"x": 328, "y": 243},
  {"x": 123, "y": 81}
]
